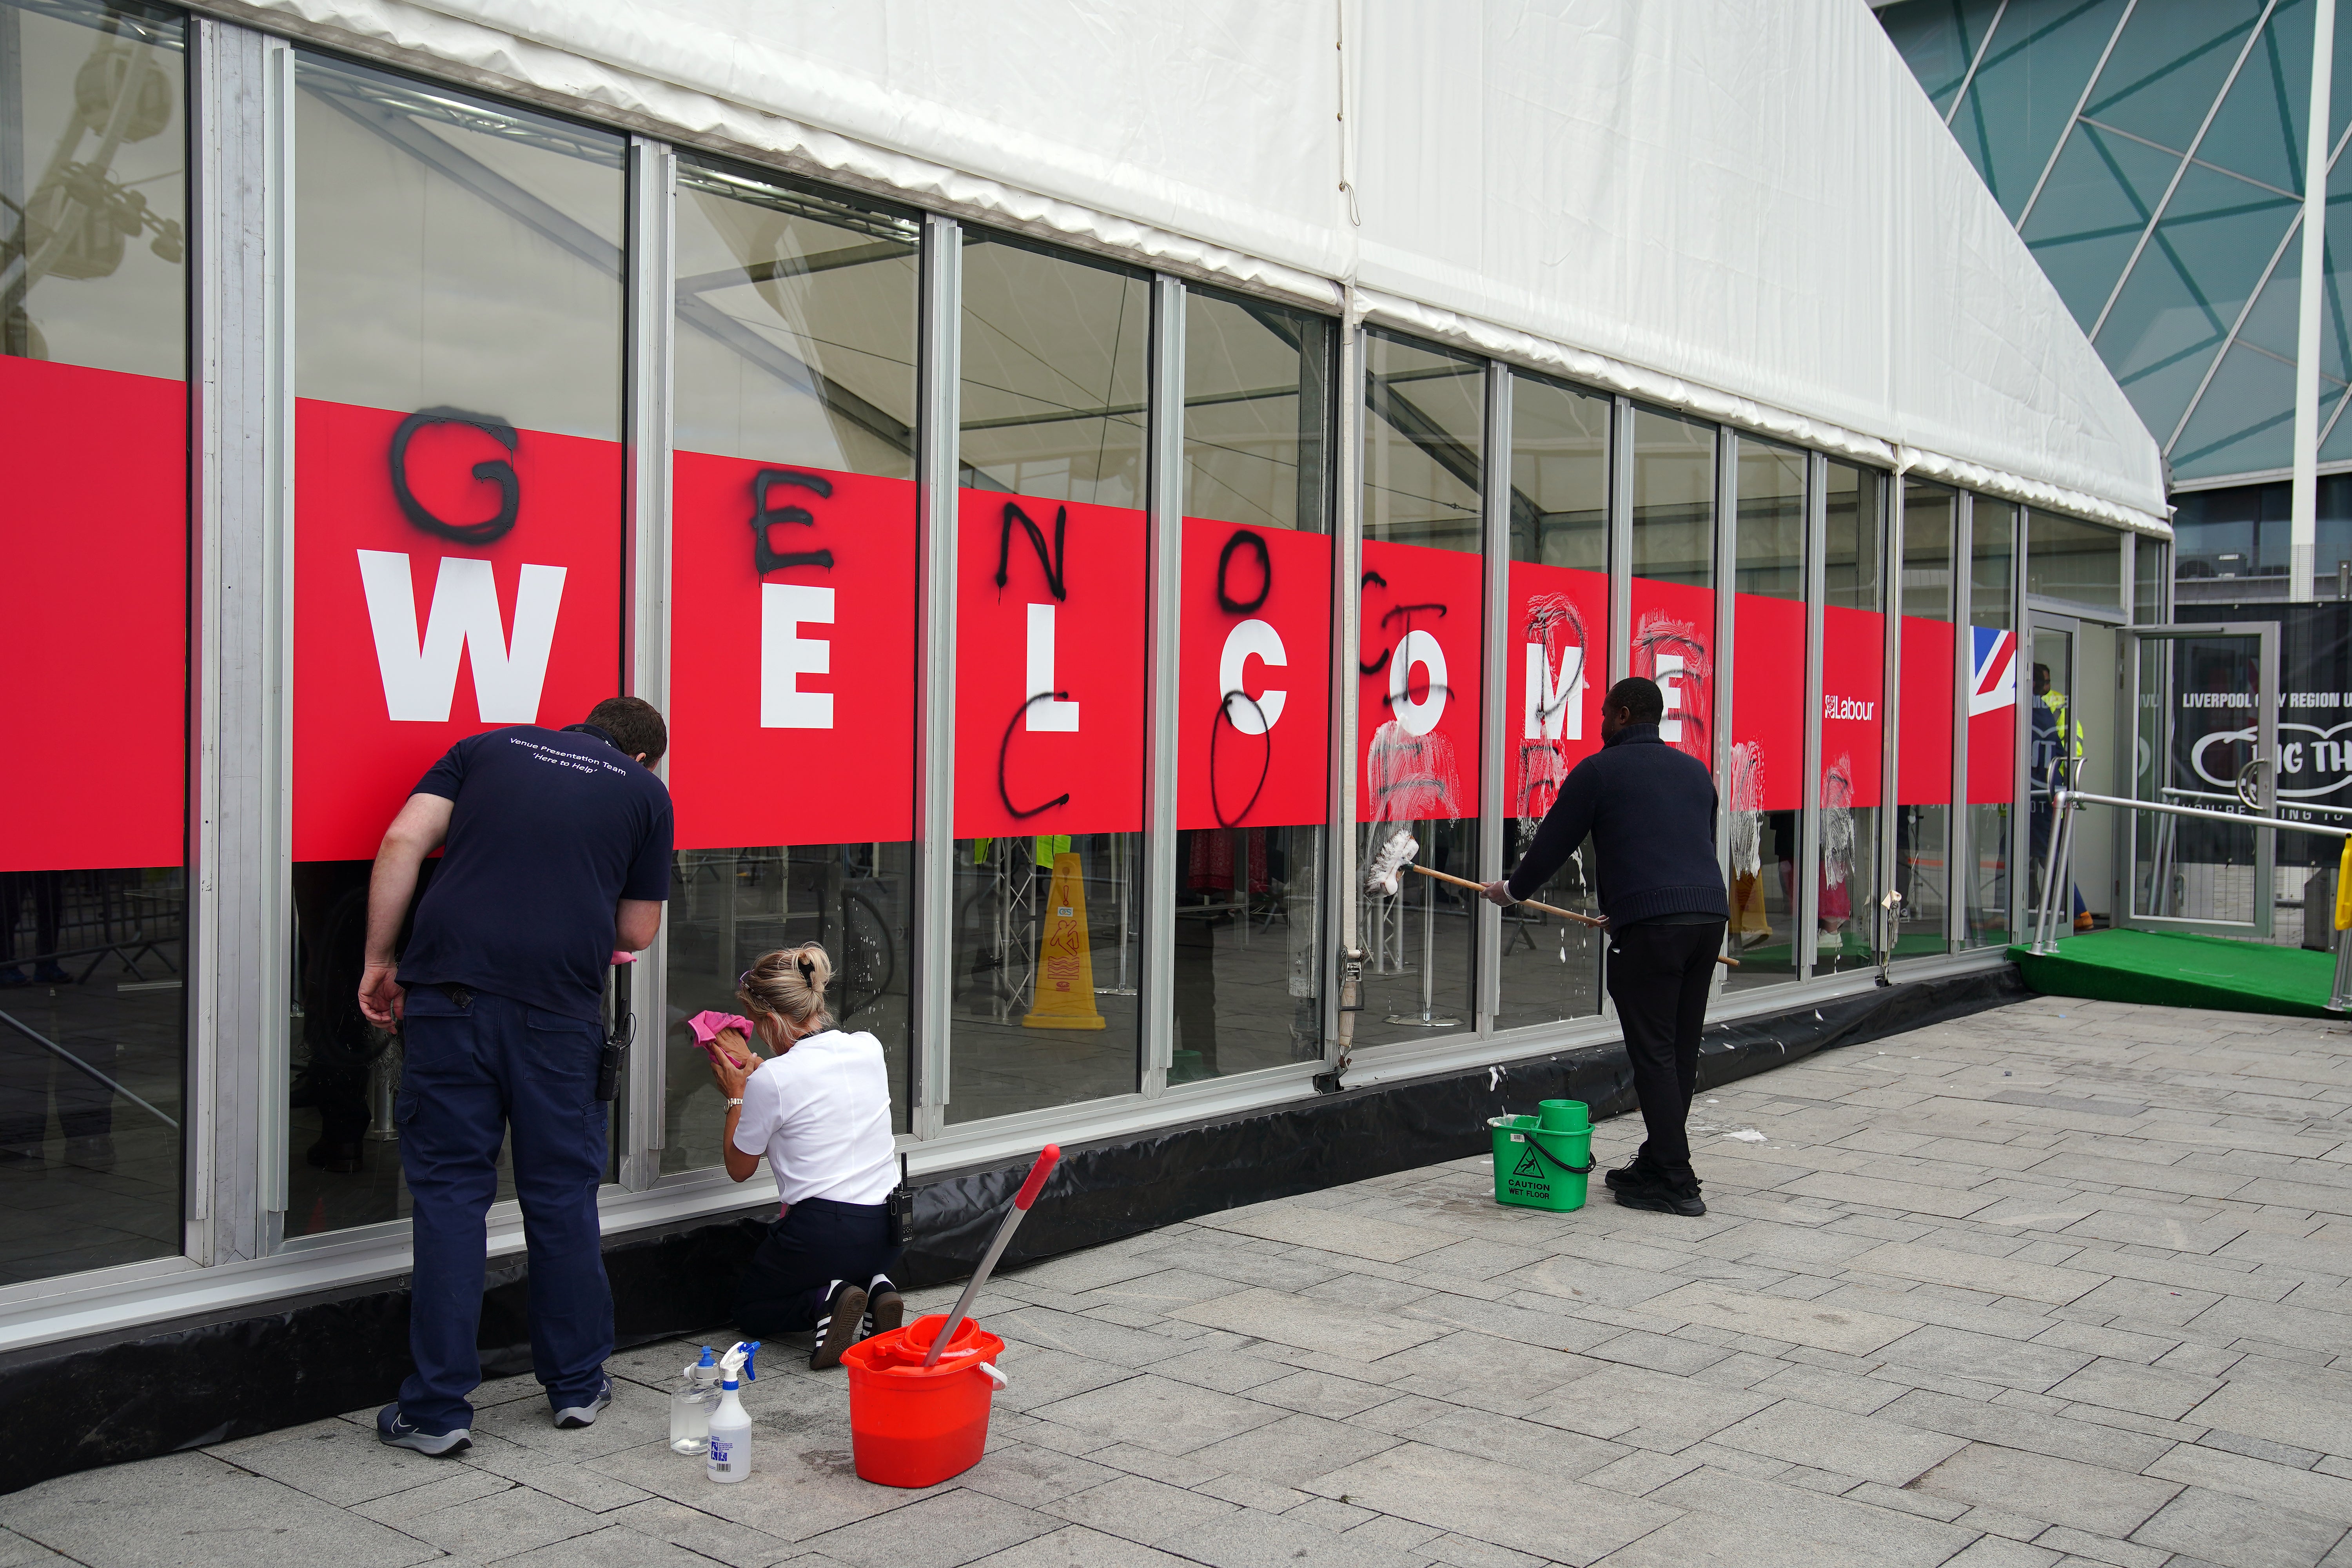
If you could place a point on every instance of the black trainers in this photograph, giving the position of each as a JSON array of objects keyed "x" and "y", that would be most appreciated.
[
  {"x": 1642, "y": 1185},
  {"x": 837, "y": 1323},
  {"x": 400, "y": 1432},
  {"x": 885, "y": 1308}
]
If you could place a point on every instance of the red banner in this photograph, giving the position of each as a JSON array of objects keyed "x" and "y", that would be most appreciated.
[
  {"x": 1673, "y": 645},
  {"x": 1050, "y": 614},
  {"x": 1768, "y": 703},
  {"x": 1417, "y": 698},
  {"x": 1923, "y": 753},
  {"x": 426, "y": 544},
  {"x": 1556, "y": 669},
  {"x": 793, "y": 649},
  {"x": 95, "y": 600},
  {"x": 1253, "y": 699},
  {"x": 1853, "y": 707}
]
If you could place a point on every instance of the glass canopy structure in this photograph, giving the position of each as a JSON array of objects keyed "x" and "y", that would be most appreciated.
[{"x": 2152, "y": 154}]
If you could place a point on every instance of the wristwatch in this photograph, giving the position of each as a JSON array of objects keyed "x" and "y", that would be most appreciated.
[{"x": 736, "y": 1101}]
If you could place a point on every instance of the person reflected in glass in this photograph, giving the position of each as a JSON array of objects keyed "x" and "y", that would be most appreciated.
[
  {"x": 818, "y": 1109},
  {"x": 2052, "y": 771}
]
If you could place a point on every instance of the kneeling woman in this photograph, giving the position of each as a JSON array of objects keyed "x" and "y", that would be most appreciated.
[{"x": 819, "y": 1111}]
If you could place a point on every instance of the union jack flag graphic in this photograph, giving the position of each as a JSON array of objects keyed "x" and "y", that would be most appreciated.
[{"x": 1992, "y": 671}]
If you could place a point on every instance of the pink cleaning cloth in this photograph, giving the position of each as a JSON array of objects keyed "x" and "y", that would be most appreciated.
[
  {"x": 705, "y": 1025},
  {"x": 620, "y": 957}
]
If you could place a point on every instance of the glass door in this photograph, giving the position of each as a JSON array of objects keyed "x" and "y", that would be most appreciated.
[
  {"x": 2053, "y": 750},
  {"x": 2204, "y": 735}
]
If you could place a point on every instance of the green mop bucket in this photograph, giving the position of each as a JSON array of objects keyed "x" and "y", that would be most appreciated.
[{"x": 1542, "y": 1162}]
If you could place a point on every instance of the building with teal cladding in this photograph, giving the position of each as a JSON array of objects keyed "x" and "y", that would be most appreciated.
[{"x": 2152, "y": 155}]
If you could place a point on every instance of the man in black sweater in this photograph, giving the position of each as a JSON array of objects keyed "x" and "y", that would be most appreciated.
[{"x": 1651, "y": 812}]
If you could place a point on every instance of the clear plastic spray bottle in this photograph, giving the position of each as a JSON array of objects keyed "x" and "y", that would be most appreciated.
[
  {"x": 729, "y": 1458},
  {"x": 690, "y": 1404}
]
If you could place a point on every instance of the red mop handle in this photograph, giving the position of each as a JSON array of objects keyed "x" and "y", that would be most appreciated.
[{"x": 1012, "y": 1217}]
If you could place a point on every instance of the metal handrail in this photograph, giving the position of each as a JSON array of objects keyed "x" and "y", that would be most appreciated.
[
  {"x": 2057, "y": 876},
  {"x": 2299, "y": 806}
]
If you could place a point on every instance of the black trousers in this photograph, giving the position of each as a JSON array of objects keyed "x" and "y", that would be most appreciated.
[
  {"x": 818, "y": 1242},
  {"x": 1658, "y": 977}
]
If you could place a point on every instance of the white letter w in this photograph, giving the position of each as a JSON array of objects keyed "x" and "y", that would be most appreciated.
[{"x": 419, "y": 680}]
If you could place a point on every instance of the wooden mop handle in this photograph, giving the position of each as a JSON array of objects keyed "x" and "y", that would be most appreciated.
[{"x": 1548, "y": 909}]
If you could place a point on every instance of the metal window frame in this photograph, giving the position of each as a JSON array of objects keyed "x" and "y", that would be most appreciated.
[
  {"x": 239, "y": 319},
  {"x": 1346, "y": 653},
  {"x": 648, "y": 386},
  {"x": 1887, "y": 919},
  {"x": 1724, "y": 579},
  {"x": 939, "y": 361},
  {"x": 1960, "y": 879},
  {"x": 1494, "y": 735},
  {"x": 1164, "y": 534},
  {"x": 1806, "y": 951}
]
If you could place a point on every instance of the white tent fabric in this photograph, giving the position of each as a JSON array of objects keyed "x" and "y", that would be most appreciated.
[{"x": 1747, "y": 210}]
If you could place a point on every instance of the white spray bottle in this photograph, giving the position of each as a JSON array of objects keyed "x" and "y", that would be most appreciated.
[{"x": 729, "y": 1458}]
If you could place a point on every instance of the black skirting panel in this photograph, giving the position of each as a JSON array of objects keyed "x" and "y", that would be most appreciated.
[{"x": 174, "y": 1385}]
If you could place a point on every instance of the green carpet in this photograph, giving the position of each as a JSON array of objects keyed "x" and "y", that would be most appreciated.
[{"x": 2179, "y": 970}]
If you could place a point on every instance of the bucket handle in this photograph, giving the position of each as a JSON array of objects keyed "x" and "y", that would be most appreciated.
[
  {"x": 994, "y": 1376},
  {"x": 1546, "y": 1156}
]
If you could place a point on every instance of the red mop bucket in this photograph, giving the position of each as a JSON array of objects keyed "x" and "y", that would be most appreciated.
[{"x": 916, "y": 1425}]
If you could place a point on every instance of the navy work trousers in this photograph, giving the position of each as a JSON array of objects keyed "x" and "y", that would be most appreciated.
[
  {"x": 470, "y": 1074},
  {"x": 818, "y": 1242},
  {"x": 1659, "y": 976}
]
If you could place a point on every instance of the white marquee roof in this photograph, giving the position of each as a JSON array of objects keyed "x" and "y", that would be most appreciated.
[{"x": 1750, "y": 210}]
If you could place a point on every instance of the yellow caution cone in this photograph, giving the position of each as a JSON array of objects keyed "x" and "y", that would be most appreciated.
[{"x": 1065, "y": 966}]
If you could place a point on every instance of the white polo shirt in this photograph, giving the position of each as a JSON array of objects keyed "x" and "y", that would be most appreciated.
[{"x": 821, "y": 1113}]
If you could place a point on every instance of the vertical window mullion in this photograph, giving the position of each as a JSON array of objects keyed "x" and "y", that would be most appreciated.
[
  {"x": 1493, "y": 690},
  {"x": 1808, "y": 813},
  {"x": 940, "y": 375},
  {"x": 1164, "y": 510}
]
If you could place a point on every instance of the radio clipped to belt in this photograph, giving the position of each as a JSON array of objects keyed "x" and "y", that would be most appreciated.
[
  {"x": 615, "y": 1053},
  {"x": 900, "y": 1216}
]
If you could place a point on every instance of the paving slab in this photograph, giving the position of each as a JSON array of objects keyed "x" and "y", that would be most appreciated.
[{"x": 2061, "y": 1284}]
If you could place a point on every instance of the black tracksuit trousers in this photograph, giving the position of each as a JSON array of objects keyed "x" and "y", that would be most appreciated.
[{"x": 1658, "y": 977}]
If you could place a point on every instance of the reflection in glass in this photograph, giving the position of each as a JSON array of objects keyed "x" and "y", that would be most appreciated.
[
  {"x": 1417, "y": 710},
  {"x": 1673, "y": 598},
  {"x": 1853, "y": 696},
  {"x": 1248, "y": 893},
  {"x": 1764, "y": 812},
  {"x": 2150, "y": 563},
  {"x": 2054, "y": 755},
  {"x": 1056, "y": 353},
  {"x": 2080, "y": 563},
  {"x": 1992, "y": 687},
  {"x": 93, "y": 901},
  {"x": 2195, "y": 733},
  {"x": 1923, "y": 765},
  {"x": 1555, "y": 660},
  {"x": 795, "y": 345},
  {"x": 456, "y": 255}
]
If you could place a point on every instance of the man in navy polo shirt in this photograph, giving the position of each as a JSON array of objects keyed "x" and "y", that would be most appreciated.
[{"x": 558, "y": 847}]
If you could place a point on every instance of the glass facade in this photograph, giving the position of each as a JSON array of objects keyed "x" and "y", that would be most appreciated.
[
  {"x": 93, "y": 376},
  {"x": 792, "y": 595},
  {"x": 1254, "y": 672},
  {"x": 1555, "y": 659},
  {"x": 1764, "y": 805},
  {"x": 1925, "y": 684},
  {"x": 490, "y": 305},
  {"x": 1418, "y": 680},
  {"x": 1851, "y": 916},
  {"x": 1990, "y": 730},
  {"x": 1052, "y": 601},
  {"x": 2152, "y": 154}
]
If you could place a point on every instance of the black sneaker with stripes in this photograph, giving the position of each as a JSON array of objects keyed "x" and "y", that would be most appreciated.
[{"x": 838, "y": 1323}]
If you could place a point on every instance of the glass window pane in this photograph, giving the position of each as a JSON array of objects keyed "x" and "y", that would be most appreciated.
[
  {"x": 2150, "y": 561},
  {"x": 1768, "y": 713},
  {"x": 1854, "y": 701},
  {"x": 1555, "y": 659},
  {"x": 1417, "y": 700},
  {"x": 1672, "y": 634},
  {"x": 458, "y": 488},
  {"x": 94, "y": 899},
  {"x": 792, "y": 599},
  {"x": 1253, "y": 739},
  {"x": 1923, "y": 759},
  {"x": 2078, "y": 561},
  {"x": 1992, "y": 720},
  {"x": 1051, "y": 602}
]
